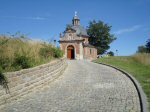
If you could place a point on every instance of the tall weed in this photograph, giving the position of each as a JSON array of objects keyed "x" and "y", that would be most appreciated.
[
  {"x": 143, "y": 58},
  {"x": 19, "y": 53}
]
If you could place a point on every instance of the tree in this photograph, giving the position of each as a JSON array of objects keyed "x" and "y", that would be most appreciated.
[
  {"x": 144, "y": 49},
  {"x": 100, "y": 35},
  {"x": 110, "y": 53},
  {"x": 148, "y": 46},
  {"x": 141, "y": 49}
]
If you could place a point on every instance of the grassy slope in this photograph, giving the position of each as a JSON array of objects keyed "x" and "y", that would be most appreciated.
[
  {"x": 11, "y": 48},
  {"x": 139, "y": 70},
  {"x": 20, "y": 52}
]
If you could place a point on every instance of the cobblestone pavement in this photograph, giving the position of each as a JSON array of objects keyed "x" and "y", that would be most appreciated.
[{"x": 84, "y": 87}]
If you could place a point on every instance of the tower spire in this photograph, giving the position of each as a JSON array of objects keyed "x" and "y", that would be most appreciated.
[{"x": 76, "y": 19}]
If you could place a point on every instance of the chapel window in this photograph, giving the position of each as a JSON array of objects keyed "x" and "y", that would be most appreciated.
[{"x": 90, "y": 51}]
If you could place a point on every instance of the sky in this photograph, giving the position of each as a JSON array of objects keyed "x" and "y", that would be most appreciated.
[{"x": 46, "y": 19}]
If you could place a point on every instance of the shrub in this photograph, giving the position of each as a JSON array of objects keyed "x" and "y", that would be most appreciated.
[
  {"x": 5, "y": 62},
  {"x": 22, "y": 62},
  {"x": 48, "y": 51},
  {"x": 58, "y": 53}
]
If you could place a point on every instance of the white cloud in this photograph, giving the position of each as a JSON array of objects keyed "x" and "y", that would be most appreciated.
[
  {"x": 37, "y": 18},
  {"x": 127, "y": 30},
  {"x": 29, "y": 18}
]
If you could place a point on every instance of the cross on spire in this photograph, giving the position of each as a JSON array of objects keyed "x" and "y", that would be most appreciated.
[{"x": 75, "y": 13}]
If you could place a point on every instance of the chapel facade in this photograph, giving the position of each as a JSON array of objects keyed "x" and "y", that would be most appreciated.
[{"x": 74, "y": 42}]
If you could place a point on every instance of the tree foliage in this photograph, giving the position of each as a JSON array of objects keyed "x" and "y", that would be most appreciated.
[
  {"x": 110, "y": 53},
  {"x": 148, "y": 45},
  {"x": 100, "y": 35},
  {"x": 144, "y": 48},
  {"x": 141, "y": 49}
]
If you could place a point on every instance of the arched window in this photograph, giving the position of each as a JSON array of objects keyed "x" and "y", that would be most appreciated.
[{"x": 90, "y": 51}]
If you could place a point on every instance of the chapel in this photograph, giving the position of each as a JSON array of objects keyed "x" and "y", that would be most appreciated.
[{"x": 74, "y": 42}]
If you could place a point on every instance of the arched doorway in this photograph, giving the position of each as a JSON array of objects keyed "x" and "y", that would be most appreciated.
[{"x": 70, "y": 52}]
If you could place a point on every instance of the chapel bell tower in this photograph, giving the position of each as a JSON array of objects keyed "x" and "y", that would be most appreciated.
[{"x": 76, "y": 20}]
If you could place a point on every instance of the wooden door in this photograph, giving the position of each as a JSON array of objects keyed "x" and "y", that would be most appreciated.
[{"x": 70, "y": 52}]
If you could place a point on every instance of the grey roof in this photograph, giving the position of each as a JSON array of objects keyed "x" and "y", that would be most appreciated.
[
  {"x": 80, "y": 30},
  {"x": 88, "y": 45}
]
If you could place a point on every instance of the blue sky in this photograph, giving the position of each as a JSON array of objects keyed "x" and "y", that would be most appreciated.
[{"x": 45, "y": 19}]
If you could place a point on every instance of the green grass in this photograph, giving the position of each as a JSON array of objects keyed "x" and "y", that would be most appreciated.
[
  {"x": 139, "y": 70},
  {"x": 20, "y": 53}
]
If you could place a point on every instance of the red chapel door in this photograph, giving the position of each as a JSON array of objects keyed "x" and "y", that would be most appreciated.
[{"x": 70, "y": 52}]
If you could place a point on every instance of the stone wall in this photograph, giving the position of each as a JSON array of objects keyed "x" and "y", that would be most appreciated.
[
  {"x": 28, "y": 80},
  {"x": 90, "y": 53}
]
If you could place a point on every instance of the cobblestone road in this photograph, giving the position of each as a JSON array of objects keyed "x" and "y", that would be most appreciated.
[{"x": 84, "y": 87}]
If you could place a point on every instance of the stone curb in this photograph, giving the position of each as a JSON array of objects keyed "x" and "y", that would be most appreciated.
[{"x": 142, "y": 97}]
